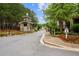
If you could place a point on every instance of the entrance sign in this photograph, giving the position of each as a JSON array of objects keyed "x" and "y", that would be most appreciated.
[{"x": 66, "y": 31}]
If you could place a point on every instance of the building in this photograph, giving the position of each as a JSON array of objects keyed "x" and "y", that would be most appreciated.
[
  {"x": 26, "y": 24},
  {"x": 63, "y": 24}
]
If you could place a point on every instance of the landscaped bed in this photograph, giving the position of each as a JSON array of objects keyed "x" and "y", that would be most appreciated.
[
  {"x": 10, "y": 32},
  {"x": 71, "y": 38}
]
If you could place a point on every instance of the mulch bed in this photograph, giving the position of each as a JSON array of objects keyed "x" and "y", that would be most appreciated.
[{"x": 71, "y": 38}]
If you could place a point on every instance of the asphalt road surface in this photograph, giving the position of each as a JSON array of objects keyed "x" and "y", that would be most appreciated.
[{"x": 29, "y": 45}]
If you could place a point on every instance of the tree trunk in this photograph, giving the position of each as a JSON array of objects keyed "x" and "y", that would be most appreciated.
[
  {"x": 54, "y": 32},
  {"x": 4, "y": 25},
  {"x": 71, "y": 23},
  {"x": 61, "y": 25}
]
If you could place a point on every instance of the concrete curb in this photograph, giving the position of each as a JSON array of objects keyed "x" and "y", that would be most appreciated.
[{"x": 56, "y": 45}]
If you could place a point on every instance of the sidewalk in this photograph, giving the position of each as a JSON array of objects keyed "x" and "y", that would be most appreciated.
[{"x": 57, "y": 42}]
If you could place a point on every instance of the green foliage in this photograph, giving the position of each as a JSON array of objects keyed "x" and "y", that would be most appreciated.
[
  {"x": 13, "y": 13},
  {"x": 75, "y": 28},
  {"x": 61, "y": 12},
  {"x": 58, "y": 33},
  {"x": 10, "y": 14},
  {"x": 52, "y": 26},
  {"x": 38, "y": 27}
]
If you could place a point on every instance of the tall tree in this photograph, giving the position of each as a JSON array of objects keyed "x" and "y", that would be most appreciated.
[
  {"x": 12, "y": 13},
  {"x": 61, "y": 12}
]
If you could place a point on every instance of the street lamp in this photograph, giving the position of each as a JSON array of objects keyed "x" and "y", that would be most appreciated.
[
  {"x": 66, "y": 31},
  {"x": 27, "y": 14}
]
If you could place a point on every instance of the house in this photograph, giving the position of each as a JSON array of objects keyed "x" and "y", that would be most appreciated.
[
  {"x": 76, "y": 20},
  {"x": 63, "y": 24}
]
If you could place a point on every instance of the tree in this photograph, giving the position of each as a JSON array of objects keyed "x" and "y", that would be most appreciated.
[
  {"x": 61, "y": 12},
  {"x": 11, "y": 14}
]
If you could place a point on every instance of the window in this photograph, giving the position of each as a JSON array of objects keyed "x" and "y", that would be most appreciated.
[{"x": 25, "y": 24}]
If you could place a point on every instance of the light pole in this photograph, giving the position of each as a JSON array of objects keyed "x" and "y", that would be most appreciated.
[{"x": 66, "y": 31}]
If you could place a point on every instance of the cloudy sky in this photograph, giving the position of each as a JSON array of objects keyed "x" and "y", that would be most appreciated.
[{"x": 37, "y": 8}]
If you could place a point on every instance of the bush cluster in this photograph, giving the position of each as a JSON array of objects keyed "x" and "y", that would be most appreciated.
[{"x": 75, "y": 28}]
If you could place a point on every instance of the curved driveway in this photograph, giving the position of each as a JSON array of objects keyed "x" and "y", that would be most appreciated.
[{"x": 29, "y": 45}]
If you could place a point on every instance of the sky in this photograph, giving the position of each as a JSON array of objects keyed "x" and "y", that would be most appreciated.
[{"x": 37, "y": 8}]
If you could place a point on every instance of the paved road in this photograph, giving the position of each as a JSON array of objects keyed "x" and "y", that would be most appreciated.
[{"x": 29, "y": 45}]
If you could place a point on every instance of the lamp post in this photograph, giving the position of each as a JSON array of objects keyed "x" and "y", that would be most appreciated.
[
  {"x": 27, "y": 14},
  {"x": 66, "y": 31}
]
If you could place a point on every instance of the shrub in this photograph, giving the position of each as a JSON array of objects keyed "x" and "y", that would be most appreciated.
[
  {"x": 75, "y": 28},
  {"x": 73, "y": 33},
  {"x": 58, "y": 33}
]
